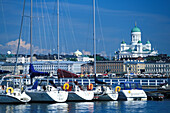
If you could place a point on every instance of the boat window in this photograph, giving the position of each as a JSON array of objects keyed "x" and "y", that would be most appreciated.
[
  {"x": 122, "y": 86},
  {"x": 139, "y": 86},
  {"x": 133, "y": 86},
  {"x": 127, "y": 86}
]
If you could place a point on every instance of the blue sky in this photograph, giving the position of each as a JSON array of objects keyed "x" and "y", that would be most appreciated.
[{"x": 114, "y": 21}]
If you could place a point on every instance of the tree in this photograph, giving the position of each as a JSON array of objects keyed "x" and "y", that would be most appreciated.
[{"x": 108, "y": 70}]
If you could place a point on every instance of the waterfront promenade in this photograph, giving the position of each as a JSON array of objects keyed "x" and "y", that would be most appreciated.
[{"x": 144, "y": 82}]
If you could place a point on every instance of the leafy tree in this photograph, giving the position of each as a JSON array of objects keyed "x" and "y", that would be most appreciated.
[
  {"x": 108, "y": 70},
  {"x": 72, "y": 59}
]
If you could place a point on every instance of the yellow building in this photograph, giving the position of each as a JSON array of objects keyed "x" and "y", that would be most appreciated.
[{"x": 134, "y": 67}]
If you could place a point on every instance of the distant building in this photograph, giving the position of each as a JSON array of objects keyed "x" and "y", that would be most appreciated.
[
  {"x": 68, "y": 57},
  {"x": 21, "y": 59},
  {"x": 84, "y": 58},
  {"x": 87, "y": 68},
  {"x": 136, "y": 48},
  {"x": 110, "y": 66},
  {"x": 135, "y": 67},
  {"x": 48, "y": 57},
  {"x": 10, "y": 67},
  {"x": 158, "y": 67},
  {"x": 52, "y": 66},
  {"x": 77, "y": 53}
]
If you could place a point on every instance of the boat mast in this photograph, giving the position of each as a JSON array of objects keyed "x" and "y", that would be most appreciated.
[
  {"x": 31, "y": 34},
  {"x": 19, "y": 38},
  {"x": 94, "y": 37},
  {"x": 58, "y": 32}
]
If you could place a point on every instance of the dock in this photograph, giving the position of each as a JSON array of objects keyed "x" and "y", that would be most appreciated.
[{"x": 162, "y": 92}]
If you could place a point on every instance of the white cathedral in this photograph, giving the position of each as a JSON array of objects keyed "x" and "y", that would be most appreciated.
[{"x": 136, "y": 48}]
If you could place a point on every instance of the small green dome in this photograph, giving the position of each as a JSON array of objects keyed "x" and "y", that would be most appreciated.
[
  {"x": 148, "y": 42},
  {"x": 123, "y": 42},
  {"x": 135, "y": 29},
  {"x": 139, "y": 41}
]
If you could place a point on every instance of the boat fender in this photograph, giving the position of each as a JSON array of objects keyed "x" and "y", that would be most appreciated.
[
  {"x": 66, "y": 86},
  {"x": 90, "y": 86},
  {"x": 118, "y": 88},
  {"x": 10, "y": 88}
]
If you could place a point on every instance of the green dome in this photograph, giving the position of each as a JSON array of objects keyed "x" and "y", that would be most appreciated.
[
  {"x": 139, "y": 41},
  {"x": 148, "y": 42},
  {"x": 123, "y": 42},
  {"x": 135, "y": 29}
]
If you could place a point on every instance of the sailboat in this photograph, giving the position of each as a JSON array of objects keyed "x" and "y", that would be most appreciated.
[
  {"x": 76, "y": 92},
  {"x": 44, "y": 92},
  {"x": 10, "y": 92},
  {"x": 102, "y": 90},
  {"x": 47, "y": 92},
  {"x": 105, "y": 92},
  {"x": 131, "y": 91}
]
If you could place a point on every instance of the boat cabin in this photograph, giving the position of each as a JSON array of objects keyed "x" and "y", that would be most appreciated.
[{"x": 130, "y": 85}]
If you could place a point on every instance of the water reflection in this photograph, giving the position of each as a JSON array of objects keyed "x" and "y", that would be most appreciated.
[
  {"x": 58, "y": 107},
  {"x": 78, "y": 107},
  {"x": 135, "y": 104},
  {"x": 88, "y": 107},
  {"x": 107, "y": 106},
  {"x": 112, "y": 104},
  {"x": 132, "y": 106},
  {"x": 129, "y": 106},
  {"x": 13, "y": 108}
]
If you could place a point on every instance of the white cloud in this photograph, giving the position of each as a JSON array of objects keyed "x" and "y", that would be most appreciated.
[
  {"x": 103, "y": 53},
  {"x": 24, "y": 48},
  {"x": 86, "y": 52}
]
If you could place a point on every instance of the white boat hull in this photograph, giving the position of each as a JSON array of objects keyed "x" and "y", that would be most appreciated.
[
  {"x": 105, "y": 94},
  {"x": 107, "y": 97},
  {"x": 80, "y": 95},
  {"x": 58, "y": 96},
  {"x": 48, "y": 96},
  {"x": 15, "y": 97},
  {"x": 131, "y": 95}
]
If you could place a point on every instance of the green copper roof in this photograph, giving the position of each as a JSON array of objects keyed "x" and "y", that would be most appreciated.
[
  {"x": 129, "y": 50},
  {"x": 146, "y": 50},
  {"x": 139, "y": 41},
  {"x": 123, "y": 42},
  {"x": 135, "y": 29},
  {"x": 148, "y": 42}
]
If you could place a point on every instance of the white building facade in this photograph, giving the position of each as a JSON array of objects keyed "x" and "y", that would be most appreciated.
[
  {"x": 51, "y": 67},
  {"x": 136, "y": 48},
  {"x": 158, "y": 67},
  {"x": 85, "y": 59},
  {"x": 19, "y": 60},
  {"x": 10, "y": 67}
]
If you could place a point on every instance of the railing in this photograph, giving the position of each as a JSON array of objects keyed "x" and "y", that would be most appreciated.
[
  {"x": 143, "y": 82},
  {"x": 84, "y": 81}
]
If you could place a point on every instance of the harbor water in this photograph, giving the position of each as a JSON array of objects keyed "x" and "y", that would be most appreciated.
[{"x": 90, "y": 107}]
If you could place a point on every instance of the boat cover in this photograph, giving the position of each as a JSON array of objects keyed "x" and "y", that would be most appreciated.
[
  {"x": 34, "y": 73},
  {"x": 65, "y": 74}
]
